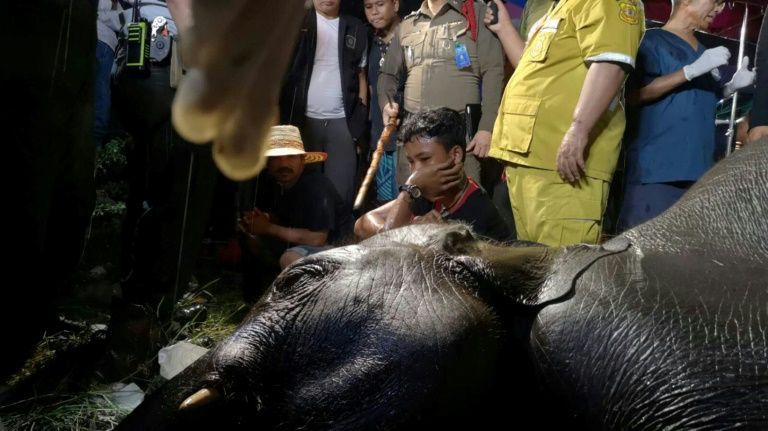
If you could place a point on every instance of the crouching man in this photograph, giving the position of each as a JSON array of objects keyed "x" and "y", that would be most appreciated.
[
  {"x": 296, "y": 212},
  {"x": 437, "y": 189}
]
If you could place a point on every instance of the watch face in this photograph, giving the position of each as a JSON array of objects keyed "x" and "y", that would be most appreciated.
[{"x": 415, "y": 192}]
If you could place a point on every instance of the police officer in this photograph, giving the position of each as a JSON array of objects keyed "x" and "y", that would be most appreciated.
[{"x": 450, "y": 59}]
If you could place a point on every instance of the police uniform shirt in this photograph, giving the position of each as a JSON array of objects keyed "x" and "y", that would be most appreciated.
[
  {"x": 540, "y": 98},
  {"x": 424, "y": 47}
]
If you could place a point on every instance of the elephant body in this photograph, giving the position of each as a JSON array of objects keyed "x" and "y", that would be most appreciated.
[{"x": 664, "y": 327}]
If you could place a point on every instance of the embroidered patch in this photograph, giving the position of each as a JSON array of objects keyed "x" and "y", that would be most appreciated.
[
  {"x": 629, "y": 13},
  {"x": 537, "y": 48},
  {"x": 351, "y": 41}
]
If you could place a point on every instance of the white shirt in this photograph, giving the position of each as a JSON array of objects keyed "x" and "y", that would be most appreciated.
[
  {"x": 325, "y": 101},
  {"x": 108, "y": 23}
]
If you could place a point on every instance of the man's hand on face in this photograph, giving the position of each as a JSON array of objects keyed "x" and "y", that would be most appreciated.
[
  {"x": 430, "y": 217},
  {"x": 480, "y": 144},
  {"x": 436, "y": 180},
  {"x": 570, "y": 157},
  {"x": 255, "y": 222}
]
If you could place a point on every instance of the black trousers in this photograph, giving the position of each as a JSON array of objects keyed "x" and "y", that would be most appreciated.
[{"x": 171, "y": 187}]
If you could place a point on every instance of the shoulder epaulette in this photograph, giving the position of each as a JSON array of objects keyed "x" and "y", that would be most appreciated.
[{"x": 412, "y": 14}]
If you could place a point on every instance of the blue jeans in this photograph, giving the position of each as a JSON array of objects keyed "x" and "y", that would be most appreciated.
[{"x": 102, "y": 94}]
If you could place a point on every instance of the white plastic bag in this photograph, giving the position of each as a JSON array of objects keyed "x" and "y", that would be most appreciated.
[{"x": 175, "y": 358}]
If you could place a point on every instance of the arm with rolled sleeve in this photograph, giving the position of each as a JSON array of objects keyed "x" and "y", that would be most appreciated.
[
  {"x": 491, "y": 59},
  {"x": 648, "y": 62},
  {"x": 609, "y": 38},
  {"x": 390, "y": 72}
]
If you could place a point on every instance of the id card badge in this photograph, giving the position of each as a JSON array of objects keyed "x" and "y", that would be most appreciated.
[{"x": 462, "y": 56}]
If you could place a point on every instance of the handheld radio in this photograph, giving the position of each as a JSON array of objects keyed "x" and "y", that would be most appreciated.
[
  {"x": 495, "y": 9},
  {"x": 137, "y": 48}
]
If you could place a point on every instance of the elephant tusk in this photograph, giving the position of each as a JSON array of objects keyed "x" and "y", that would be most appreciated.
[{"x": 199, "y": 399}]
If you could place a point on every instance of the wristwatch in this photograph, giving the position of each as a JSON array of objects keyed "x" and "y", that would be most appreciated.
[{"x": 413, "y": 191}]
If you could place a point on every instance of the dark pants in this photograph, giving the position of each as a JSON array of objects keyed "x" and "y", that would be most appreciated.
[
  {"x": 332, "y": 137},
  {"x": 260, "y": 263},
  {"x": 47, "y": 87},
  {"x": 643, "y": 202},
  {"x": 102, "y": 98},
  {"x": 171, "y": 186}
]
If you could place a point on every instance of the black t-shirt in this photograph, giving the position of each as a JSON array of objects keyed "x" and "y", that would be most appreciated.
[
  {"x": 312, "y": 203},
  {"x": 474, "y": 208}
]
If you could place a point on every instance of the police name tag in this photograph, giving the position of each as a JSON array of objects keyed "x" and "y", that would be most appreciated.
[{"x": 462, "y": 56}]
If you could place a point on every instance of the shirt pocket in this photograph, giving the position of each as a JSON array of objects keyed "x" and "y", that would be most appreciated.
[
  {"x": 519, "y": 121},
  {"x": 413, "y": 48},
  {"x": 446, "y": 37},
  {"x": 539, "y": 48}
]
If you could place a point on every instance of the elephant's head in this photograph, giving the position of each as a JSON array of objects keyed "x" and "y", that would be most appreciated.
[
  {"x": 397, "y": 331},
  {"x": 428, "y": 326}
]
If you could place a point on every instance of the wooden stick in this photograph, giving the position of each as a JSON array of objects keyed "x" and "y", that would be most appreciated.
[{"x": 371, "y": 174}]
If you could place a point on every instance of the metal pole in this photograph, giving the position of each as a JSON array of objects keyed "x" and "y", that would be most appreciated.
[
  {"x": 743, "y": 37},
  {"x": 179, "y": 258}
]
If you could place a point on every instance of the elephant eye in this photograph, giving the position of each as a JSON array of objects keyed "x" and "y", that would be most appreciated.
[
  {"x": 304, "y": 272},
  {"x": 461, "y": 271}
]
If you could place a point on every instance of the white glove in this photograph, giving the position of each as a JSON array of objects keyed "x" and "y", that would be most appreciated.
[
  {"x": 742, "y": 78},
  {"x": 709, "y": 60}
]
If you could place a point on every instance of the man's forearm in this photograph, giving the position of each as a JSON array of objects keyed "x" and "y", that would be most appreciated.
[
  {"x": 400, "y": 214},
  {"x": 492, "y": 75},
  {"x": 373, "y": 221},
  {"x": 513, "y": 45},
  {"x": 658, "y": 88},
  {"x": 386, "y": 88},
  {"x": 363, "y": 83},
  {"x": 298, "y": 235},
  {"x": 600, "y": 87},
  {"x": 389, "y": 75}
]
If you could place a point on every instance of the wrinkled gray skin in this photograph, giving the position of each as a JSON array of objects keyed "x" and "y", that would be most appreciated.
[{"x": 665, "y": 327}]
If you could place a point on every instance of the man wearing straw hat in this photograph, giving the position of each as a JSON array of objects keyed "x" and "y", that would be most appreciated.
[{"x": 297, "y": 212}]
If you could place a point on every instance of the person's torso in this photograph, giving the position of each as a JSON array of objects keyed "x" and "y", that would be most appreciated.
[
  {"x": 376, "y": 55},
  {"x": 313, "y": 204},
  {"x": 434, "y": 78},
  {"x": 475, "y": 208},
  {"x": 352, "y": 43},
  {"x": 325, "y": 99},
  {"x": 540, "y": 98},
  {"x": 672, "y": 138},
  {"x": 108, "y": 24}
]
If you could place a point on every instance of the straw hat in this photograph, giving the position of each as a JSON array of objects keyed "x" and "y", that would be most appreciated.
[{"x": 286, "y": 141}]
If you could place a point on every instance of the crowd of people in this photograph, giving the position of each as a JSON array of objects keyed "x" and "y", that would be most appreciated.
[
  {"x": 552, "y": 137},
  {"x": 530, "y": 159}
]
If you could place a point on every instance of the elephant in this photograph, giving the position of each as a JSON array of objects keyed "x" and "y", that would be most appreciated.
[{"x": 663, "y": 327}]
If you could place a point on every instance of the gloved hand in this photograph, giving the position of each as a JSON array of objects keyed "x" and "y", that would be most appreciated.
[
  {"x": 709, "y": 60},
  {"x": 742, "y": 78}
]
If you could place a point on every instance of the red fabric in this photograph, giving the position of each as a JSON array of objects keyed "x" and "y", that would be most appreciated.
[
  {"x": 471, "y": 188},
  {"x": 468, "y": 9}
]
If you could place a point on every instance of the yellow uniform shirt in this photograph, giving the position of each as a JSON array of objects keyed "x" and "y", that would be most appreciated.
[{"x": 538, "y": 103}]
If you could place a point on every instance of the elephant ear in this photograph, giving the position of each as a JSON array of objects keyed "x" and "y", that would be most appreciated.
[{"x": 535, "y": 275}]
